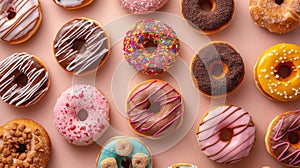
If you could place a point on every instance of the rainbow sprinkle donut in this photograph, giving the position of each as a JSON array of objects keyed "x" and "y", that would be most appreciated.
[{"x": 149, "y": 35}]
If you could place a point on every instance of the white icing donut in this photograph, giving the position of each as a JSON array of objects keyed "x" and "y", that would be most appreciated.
[
  {"x": 19, "y": 19},
  {"x": 73, "y": 4}
]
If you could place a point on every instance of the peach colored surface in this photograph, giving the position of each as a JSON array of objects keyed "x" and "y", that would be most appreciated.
[{"x": 249, "y": 39}]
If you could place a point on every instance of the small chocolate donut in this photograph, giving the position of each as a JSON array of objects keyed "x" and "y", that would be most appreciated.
[
  {"x": 215, "y": 19},
  {"x": 217, "y": 69}
]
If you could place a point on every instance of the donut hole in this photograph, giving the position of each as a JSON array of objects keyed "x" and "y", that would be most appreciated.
[
  {"x": 284, "y": 70},
  {"x": 218, "y": 69},
  {"x": 79, "y": 45},
  {"x": 11, "y": 13},
  {"x": 206, "y": 5},
  {"x": 150, "y": 46},
  {"x": 21, "y": 148},
  {"x": 293, "y": 137},
  {"x": 226, "y": 134},
  {"x": 279, "y": 2},
  {"x": 21, "y": 80},
  {"x": 126, "y": 163},
  {"x": 82, "y": 115},
  {"x": 152, "y": 106}
]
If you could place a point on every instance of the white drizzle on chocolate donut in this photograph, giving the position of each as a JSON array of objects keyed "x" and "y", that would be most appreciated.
[
  {"x": 22, "y": 63},
  {"x": 94, "y": 49},
  {"x": 18, "y": 18}
]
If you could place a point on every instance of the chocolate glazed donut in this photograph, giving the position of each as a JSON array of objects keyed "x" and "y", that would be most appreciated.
[
  {"x": 210, "y": 20},
  {"x": 217, "y": 69}
]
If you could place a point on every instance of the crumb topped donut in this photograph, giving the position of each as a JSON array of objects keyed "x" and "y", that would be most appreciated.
[
  {"x": 19, "y": 20},
  {"x": 226, "y": 134},
  {"x": 81, "y": 114},
  {"x": 277, "y": 16},
  {"x": 137, "y": 156},
  {"x": 24, "y": 143},
  {"x": 208, "y": 21},
  {"x": 24, "y": 79},
  {"x": 81, "y": 46},
  {"x": 142, "y": 6},
  {"x": 73, "y": 4},
  {"x": 283, "y": 138},
  {"x": 154, "y": 108},
  {"x": 217, "y": 69},
  {"x": 277, "y": 72}
]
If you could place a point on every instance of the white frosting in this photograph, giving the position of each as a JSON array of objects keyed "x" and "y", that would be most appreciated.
[
  {"x": 27, "y": 16},
  {"x": 69, "y": 3},
  {"x": 32, "y": 90}
]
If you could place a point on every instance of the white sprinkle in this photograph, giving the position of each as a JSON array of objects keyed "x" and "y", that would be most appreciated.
[
  {"x": 263, "y": 70},
  {"x": 276, "y": 76},
  {"x": 267, "y": 76}
]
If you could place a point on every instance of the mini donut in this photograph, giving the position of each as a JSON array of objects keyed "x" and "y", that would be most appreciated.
[
  {"x": 277, "y": 16},
  {"x": 217, "y": 69},
  {"x": 139, "y": 42},
  {"x": 282, "y": 138},
  {"x": 81, "y": 46},
  {"x": 24, "y": 143},
  {"x": 24, "y": 79},
  {"x": 183, "y": 165},
  {"x": 154, "y": 108},
  {"x": 72, "y": 4},
  {"x": 81, "y": 114},
  {"x": 226, "y": 134},
  {"x": 214, "y": 20},
  {"x": 139, "y": 157},
  {"x": 277, "y": 72},
  {"x": 142, "y": 6},
  {"x": 19, "y": 20}
]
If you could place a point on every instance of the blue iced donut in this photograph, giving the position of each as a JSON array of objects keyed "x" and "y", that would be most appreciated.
[{"x": 122, "y": 151}]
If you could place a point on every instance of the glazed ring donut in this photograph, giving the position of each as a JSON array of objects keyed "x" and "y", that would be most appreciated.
[
  {"x": 277, "y": 72},
  {"x": 73, "y": 4},
  {"x": 277, "y": 16},
  {"x": 183, "y": 165},
  {"x": 154, "y": 108},
  {"x": 24, "y": 143},
  {"x": 138, "y": 156},
  {"x": 215, "y": 19},
  {"x": 19, "y": 20},
  {"x": 81, "y": 114},
  {"x": 142, "y": 6},
  {"x": 226, "y": 134},
  {"x": 282, "y": 138},
  {"x": 149, "y": 35},
  {"x": 217, "y": 69},
  {"x": 24, "y": 79},
  {"x": 81, "y": 46}
]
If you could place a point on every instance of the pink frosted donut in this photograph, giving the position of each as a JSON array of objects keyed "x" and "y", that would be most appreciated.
[
  {"x": 226, "y": 134},
  {"x": 81, "y": 114},
  {"x": 141, "y": 6}
]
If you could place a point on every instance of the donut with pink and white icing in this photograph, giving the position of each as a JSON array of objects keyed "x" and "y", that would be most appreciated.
[
  {"x": 81, "y": 114},
  {"x": 141, "y": 6},
  {"x": 226, "y": 134},
  {"x": 73, "y": 4},
  {"x": 19, "y": 20}
]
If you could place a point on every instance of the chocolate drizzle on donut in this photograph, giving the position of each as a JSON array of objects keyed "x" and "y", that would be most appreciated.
[{"x": 211, "y": 20}]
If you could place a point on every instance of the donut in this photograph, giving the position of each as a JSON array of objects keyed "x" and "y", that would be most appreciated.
[
  {"x": 208, "y": 16},
  {"x": 217, "y": 69},
  {"x": 19, "y": 20},
  {"x": 137, "y": 156},
  {"x": 226, "y": 134},
  {"x": 154, "y": 108},
  {"x": 81, "y": 46},
  {"x": 151, "y": 47},
  {"x": 277, "y": 16},
  {"x": 72, "y": 4},
  {"x": 282, "y": 138},
  {"x": 24, "y": 143},
  {"x": 277, "y": 72},
  {"x": 24, "y": 79},
  {"x": 81, "y": 114},
  {"x": 141, "y": 6},
  {"x": 183, "y": 165}
]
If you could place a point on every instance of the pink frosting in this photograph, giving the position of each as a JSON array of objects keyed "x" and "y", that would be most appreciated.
[
  {"x": 73, "y": 100},
  {"x": 234, "y": 118},
  {"x": 142, "y": 6}
]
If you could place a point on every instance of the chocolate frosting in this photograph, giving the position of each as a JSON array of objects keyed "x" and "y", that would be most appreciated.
[
  {"x": 202, "y": 74},
  {"x": 208, "y": 20}
]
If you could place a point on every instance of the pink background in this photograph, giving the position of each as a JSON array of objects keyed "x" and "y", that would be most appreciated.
[{"x": 249, "y": 39}]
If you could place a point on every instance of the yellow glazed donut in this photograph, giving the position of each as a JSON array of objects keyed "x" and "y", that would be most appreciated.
[{"x": 277, "y": 72}]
